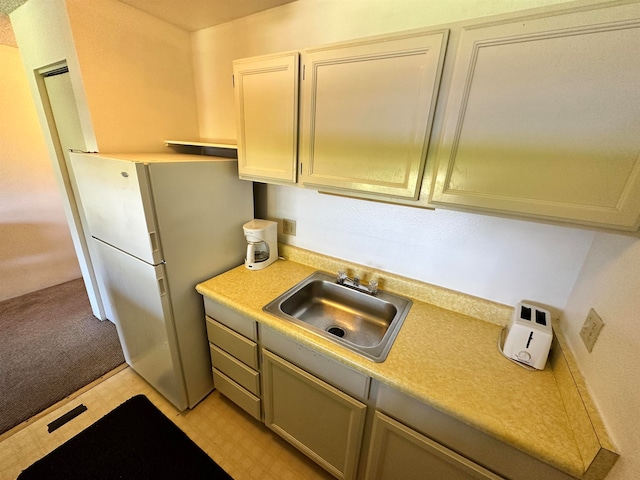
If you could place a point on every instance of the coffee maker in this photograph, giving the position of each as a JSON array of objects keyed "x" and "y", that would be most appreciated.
[{"x": 262, "y": 243}]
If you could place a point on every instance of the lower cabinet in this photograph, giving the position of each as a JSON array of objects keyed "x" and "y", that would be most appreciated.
[
  {"x": 397, "y": 451},
  {"x": 406, "y": 426},
  {"x": 354, "y": 427},
  {"x": 317, "y": 418}
]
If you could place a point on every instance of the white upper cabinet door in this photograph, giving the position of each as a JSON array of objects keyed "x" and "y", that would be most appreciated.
[
  {"x": 542, "y": 119},
  {"x": 266, "y": 92},
  {"x": 367, "y": 108}
]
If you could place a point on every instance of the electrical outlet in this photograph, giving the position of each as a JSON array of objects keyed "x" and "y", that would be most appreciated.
[
  {"x": 289, "y": 227},
  {"x": 591, "y": 329}
]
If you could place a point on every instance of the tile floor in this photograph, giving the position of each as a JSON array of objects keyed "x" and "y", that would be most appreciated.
[{"x": 245, "y": 448}]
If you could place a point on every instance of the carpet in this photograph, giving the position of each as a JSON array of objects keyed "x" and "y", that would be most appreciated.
[
  {"x": 134, "y": 441},
  {"x": 50, "y": 346}
]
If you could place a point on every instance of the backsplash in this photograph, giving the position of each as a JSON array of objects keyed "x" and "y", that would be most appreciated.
[{"x": 441, "y": 297}]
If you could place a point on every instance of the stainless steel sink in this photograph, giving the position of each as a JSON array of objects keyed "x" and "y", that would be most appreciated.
[{"x": 364, "y": 323}]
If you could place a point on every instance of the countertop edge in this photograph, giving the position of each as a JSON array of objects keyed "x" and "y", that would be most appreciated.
[{"x": 596, "y": 448}]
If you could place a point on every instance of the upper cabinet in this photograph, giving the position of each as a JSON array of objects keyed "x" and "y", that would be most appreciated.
[
  {"x": 367, "y": 108},
  {"x": 537, "y": 116},
  {"x": 542, "y": 119},
  {"x": 367, "y": 111},
  {"x": 266, "y": 92}
]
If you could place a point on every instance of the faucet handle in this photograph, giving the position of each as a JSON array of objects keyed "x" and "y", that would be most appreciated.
[
  {"x": 373, "y": 286},
  {"x": 342, "y": 276}
]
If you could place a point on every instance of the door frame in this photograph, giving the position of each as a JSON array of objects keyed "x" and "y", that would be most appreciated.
[{"x": 64, "y": 178}]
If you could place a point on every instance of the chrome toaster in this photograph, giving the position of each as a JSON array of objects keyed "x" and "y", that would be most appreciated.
[{"x": 529, "y": 336}]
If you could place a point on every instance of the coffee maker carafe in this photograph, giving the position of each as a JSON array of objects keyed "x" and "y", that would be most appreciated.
[{"x": 262, "y": 243}]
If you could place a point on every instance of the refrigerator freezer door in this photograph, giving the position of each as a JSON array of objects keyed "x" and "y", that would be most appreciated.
[
  {"x": 116, "y": 199},
  {"x": 144, "y": 319}
]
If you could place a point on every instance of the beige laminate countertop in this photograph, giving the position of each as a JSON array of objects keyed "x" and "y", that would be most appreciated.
[{"x": 445, "y": 359}]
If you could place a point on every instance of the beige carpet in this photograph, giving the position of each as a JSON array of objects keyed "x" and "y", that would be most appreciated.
[{"x": 50, "y": 346}]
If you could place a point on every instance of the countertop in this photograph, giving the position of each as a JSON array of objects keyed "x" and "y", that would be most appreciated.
[{"x": 444, "y": 358}]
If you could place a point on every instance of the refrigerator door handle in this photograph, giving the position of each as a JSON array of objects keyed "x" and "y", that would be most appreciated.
[
  {"x": 153, "y": 237},
  {"x": 162, "y": 286}
]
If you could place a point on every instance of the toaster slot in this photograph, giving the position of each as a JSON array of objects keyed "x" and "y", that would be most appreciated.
[
  {"x": 541, "y": 318},
  {"x": 525, "y": 313}
]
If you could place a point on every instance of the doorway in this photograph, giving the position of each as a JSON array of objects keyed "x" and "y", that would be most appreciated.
[{"x": 66, "y": 131}]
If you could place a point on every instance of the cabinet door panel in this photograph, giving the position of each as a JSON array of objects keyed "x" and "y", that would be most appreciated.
[
  {"x": 367, "y": 111},
  {"x": 315, "y": 417},
  {"x": 396, "y": 451},
  {"x": 266, "y": 92},
  {"x": 540, "y": 121}
]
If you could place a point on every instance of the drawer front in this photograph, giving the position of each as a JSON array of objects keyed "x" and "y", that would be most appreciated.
[
  {"x": 233, "y": 343},
  {"x": 232, "y": 319},
  {"x": 238, "y": 395},
  {"x": 237, "y": 371}
]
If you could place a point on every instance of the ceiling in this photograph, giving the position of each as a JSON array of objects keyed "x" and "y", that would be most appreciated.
[
  {"x": 194, "y": 15},
  {"x": 8, "y": 6},
  {"x": 189, "y": 15}
]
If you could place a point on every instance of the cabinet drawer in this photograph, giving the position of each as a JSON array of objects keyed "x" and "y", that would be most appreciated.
[
  {"x": 233, "y": 343},
  {"x": 239, "y": 372},
  {"x": 238, "y": 395},
  {"x": 232, "y": 319}
]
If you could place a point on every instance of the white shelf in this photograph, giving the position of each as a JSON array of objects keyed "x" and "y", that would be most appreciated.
[{"x": 202, "y": 143}]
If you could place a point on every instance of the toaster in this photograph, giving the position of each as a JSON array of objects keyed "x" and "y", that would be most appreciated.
[{"x": 529, "y": 336}]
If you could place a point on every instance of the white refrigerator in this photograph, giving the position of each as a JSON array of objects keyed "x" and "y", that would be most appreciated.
[{"x": 160, "y": 224}]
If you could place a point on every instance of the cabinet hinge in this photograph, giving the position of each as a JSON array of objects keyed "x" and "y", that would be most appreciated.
[
  {"x": 300, "y": 170},
  {"x": 233, "y": 81},
  {"x": 304, "y": 71}
]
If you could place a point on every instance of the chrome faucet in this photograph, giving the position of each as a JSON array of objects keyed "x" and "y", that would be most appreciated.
[
  {"x": 354, "y": 283},
  {"x": 373, "y": 287}
]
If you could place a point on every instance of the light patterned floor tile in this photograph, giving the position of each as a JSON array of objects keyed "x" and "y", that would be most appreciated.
[{"x": 246, "y": 449}]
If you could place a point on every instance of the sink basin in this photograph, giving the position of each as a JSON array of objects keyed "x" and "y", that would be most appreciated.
[{"x": 359, "y": 321}]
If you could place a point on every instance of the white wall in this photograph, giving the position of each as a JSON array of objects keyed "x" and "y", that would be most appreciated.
[
  {"x": 131, "y": 73},
  {"x": 36, "y": 251},
  {"x": 490, "y": 257},
  {"x": 137, "y": 74},
  {"x": 610, "y": 283},
  {"x": 498, "y": 259}
]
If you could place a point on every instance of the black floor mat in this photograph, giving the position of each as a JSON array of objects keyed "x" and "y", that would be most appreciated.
[{"x": 134, "y": 441}]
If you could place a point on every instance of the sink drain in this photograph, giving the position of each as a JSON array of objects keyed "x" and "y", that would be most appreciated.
[{"x": 337, "y": 331}]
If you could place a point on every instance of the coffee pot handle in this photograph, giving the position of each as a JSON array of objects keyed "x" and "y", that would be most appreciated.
[{"x": 251, "y": 253}]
